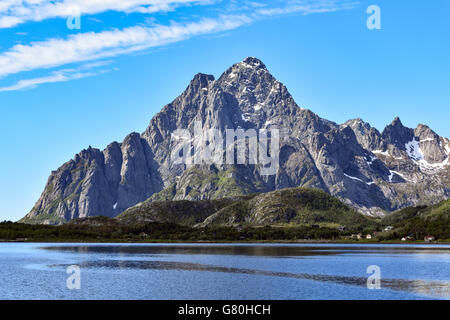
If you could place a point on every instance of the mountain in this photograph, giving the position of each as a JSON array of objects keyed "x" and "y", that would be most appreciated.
[
  {"x": 373, "y": 172},
  {"x": 293, "y": 206}
]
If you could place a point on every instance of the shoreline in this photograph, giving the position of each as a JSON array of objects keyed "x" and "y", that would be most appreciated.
[{"x": 231, "y": 242}]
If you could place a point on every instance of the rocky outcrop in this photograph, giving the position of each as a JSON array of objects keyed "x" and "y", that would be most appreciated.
[
  {"x": 371, "y": 171},
  {"x": 397, "y": 134},
  {"x": 99, "y": 183}
]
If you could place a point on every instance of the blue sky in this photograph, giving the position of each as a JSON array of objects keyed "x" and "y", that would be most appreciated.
[{"x": 62, "y": 89}]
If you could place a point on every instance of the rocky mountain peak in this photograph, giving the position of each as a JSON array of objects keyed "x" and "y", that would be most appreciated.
[
  {"x": 396, "y": 122},
  {"x": 202, "y": 80},
  {"x": 430, "y": 145},
  {"x": 357, "y": 124},
  {"x": 245, "y": 69},
  {"x": 424, "y": 132},
  {"x": 375, "y": 173},
  {"x": 253, "y": 63},
  {"x": 251, "y": 69},
  {"x": 367, "y": 136},
  {"x": 132, "y": 138},
  {"x": 87, "y": 154},
  {"x": 259, "y": 97},
  {"x": 397, "y": 134}
]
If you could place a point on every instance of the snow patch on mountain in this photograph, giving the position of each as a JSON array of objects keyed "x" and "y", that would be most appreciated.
[
  {"x": 413, "y": 150},
  {"x": 384, "y": 153},
  {"x": 358, "y": 179},
  {"x": 401, "y": 175},
  {"x": 353, "y": 178},
  {"x": 391, "y": 175},
  {"x": 258, "y": 106},
  {"x": 433, "y": 166},
  {"x": 245, "y": 117},
  {"x": 416, "y": 155},
  {"x": 372, "y": 159}
]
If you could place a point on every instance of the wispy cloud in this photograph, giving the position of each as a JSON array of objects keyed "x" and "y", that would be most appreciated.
[
  {"x": 92, "y": 46},
  {"x": 305, "y": 7},
  {"x": 57, "y": 76},
  {"x": 15, "y": 12}
]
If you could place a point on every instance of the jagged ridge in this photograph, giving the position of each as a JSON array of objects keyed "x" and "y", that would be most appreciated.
[{"x": 371, "y": 171}]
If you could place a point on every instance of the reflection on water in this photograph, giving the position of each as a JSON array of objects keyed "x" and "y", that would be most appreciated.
[
  {"x": 249, "y": 250},
  {"x": 223, "y": 271},
  {"x": 431, "y": 288}
]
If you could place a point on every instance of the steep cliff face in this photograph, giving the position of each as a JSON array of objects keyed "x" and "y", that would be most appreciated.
[
  {"x": 98, "y": 183},
  {"x": 371, "y": 171}
]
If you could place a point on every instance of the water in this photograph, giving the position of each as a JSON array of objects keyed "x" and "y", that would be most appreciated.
[{"x": 223, "y": 271}]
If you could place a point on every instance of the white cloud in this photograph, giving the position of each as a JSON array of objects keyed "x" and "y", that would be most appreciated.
[
  {"x": 15, "y": 12},
  {"x": 263, "y": 8},
  {"x": 58, "y": 76},
  {"x": 306, "y": 7},
  {"x": 8, "y": 21},
  {"x": 92, "y": 46}
]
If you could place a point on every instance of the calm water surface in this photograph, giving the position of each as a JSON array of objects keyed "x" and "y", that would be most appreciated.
[{"x": 223, "y": 271}]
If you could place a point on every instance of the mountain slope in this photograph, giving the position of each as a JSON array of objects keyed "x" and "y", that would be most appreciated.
[
  {"x": 292, "y": 206},
  {"x": 295, "y": 206},
  {"x": 371, "y": 171},
  {"x": 421, "y": 221},
  {"x": 437, "y": 211}
]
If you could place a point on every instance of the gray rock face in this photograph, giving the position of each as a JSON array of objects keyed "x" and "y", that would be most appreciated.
[
  {"x": 431, "y": 145},
  {"x": 372, "y": 171},
  {"x": 397, "y": 134},
  {"x": 367, "y": 136},
  {"x": 99, "y": 183}
]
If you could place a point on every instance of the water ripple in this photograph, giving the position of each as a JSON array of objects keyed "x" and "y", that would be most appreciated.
[{"x": 429, "y": 288}]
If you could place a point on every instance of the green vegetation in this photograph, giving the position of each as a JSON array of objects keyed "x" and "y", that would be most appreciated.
[
  {"x": 292, "y": 207},
  {"x": 183, "y": 212},
  {"x": 418, "y": 222},
  {"x": 110, "y": 230},
  {"x": 214, "y": 184},
  {"x": 43, "y": 218},
  {"x": 290, "y": 215}
]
